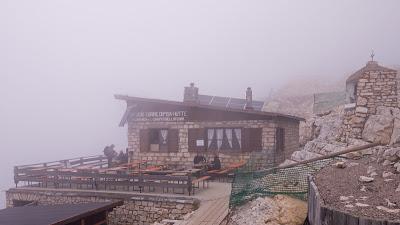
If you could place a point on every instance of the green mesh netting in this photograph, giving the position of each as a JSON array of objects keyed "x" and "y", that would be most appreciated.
[{"x": 269, "y": 181}]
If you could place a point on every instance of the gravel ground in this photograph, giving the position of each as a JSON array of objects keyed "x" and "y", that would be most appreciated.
[{"x": 341, "y": 189}]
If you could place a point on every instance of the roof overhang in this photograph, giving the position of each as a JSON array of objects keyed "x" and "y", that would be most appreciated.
[{"x": 132, "y": 100}]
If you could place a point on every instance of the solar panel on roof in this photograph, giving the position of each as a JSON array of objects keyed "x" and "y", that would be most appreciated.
[
  {"x": 234, "y": 103},
  {"x": 220, "y": 100},
  {"x": 257, "y": 105},
  {"x": 238, "y": 101},
  {"x": 236, "y": 106},
  {"x": 205, "y": 99}
]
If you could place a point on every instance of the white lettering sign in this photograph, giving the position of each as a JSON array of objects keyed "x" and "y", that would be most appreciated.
[
  {"x": 159, "y": 116},
  {"x": 200, "y": 143}
]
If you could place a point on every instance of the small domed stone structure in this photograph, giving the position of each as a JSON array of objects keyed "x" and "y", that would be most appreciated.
[{"x": 368, "y": 88}]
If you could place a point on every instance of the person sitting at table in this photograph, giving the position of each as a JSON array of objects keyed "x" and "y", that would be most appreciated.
[
  {"x": 216, "y": 164},
  {"x": 199, "y": 159}
]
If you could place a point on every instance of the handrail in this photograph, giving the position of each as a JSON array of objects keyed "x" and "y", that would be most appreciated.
[
  {"x": 65, "y": 160},
  {"x": 332, "y": 155}
]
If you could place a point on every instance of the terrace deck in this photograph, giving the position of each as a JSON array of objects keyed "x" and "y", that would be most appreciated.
[
  {"x": 89, "y": 173},
  {"x": 214, "y": 206}
]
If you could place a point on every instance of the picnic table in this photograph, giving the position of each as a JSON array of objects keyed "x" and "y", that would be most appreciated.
[
  {"x": 237, "y": 165},
  {"x": 224, "y": 172},
  {"x": 153, "y": 168}
]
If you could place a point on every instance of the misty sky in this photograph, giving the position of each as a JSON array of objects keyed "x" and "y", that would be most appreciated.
[{"x": 62, "y": 61}]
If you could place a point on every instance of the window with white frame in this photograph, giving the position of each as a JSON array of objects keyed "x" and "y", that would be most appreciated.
[{"x": 224, "y": 138}]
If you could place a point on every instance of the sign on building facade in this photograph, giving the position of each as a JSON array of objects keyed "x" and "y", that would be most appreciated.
[{"x": 172, "y": 116}]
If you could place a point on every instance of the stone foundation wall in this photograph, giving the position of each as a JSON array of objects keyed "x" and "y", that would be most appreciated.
[
  {"x": 137, "y": 208},
  {"x": 185, "y": 157}
]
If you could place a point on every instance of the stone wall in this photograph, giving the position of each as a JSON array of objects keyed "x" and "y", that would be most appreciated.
[
  {"x": 292, "y": 137},
  {"x": 373, "y": 89},
  {"x": 185, "y": 157},
  {"x": 137, "y": 208}
]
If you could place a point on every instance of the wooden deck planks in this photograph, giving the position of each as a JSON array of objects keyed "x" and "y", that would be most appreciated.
[{"x": 213, "y": 212}]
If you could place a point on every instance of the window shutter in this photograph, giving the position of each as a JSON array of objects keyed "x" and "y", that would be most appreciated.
[
  {"x": 195, "y": 134},
  {"x": 252, "y": 139},
  {"x": 246, "y": 140},
  {"x": 256, "y": 139},
  {"x": 144, "y": 140},
  {"x": 280, "y": 139},
  {"x": 173, "y": 140}
]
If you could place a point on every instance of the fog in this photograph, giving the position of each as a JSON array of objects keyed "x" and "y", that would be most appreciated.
[{"x": 61, "y": 62}]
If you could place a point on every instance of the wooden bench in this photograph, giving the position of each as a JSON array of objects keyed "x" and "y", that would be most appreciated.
[
  {"x": 166, "y": 182},
  {"x": 204, "y": 179},
  {"x": 219, "y": 174}
]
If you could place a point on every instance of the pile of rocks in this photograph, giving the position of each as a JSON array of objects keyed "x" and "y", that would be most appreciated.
[
  {"x": 389, "y": 157},
  {"x": 325, "y": 133},
  {"x": 279, "y": 210},
  {"x": 321, "y": 134}
]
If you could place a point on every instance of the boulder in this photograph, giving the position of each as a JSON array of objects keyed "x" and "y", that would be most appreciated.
[
  {"x": 395, "y": 138},
  {"x": 365, "y": 179},
  {"x": 291, "y": 211},
  {"x": 397, "y": 166},
  {"x": 340, "y": 165},
  {"x": 378, "y": 128},
  {"x": 361, "y": 204},
  {"x": 386, "y": 163},
  {"x": 387, "y": 174},
  {"x": 391, "y": 154},
  {"x": 279, "y": 210}
]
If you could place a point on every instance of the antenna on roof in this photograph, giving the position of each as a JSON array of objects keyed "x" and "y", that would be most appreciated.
[{"x": 372, "y": 55}]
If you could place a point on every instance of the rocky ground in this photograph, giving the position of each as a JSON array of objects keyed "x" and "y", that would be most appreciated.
[
  {"x": 365, "y": 187},
  {"x": 279, "y": 210},
  {"x": 362, "y": 187},
  {"x": 342, "y": 188}
]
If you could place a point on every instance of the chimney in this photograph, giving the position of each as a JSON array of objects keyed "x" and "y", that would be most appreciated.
[
  {"x": 191, "y": 94},
  {"x": 249, "y": 99}
]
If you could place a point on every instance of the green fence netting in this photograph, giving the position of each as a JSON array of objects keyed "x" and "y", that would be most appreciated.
[{"x": 269, "y": 181}]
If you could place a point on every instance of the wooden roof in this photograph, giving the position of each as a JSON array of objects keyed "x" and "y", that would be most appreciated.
[
  {"x": 53, "y": 214},
  {"x": 371, "y": 66},
  {"x": 200, "y": 106}
]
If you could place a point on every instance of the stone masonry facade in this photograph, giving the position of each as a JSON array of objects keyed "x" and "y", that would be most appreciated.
[
  {"x": 185, "y": 157},
  {"x": 373, "y": 89},
  {"x": 137, "y": 208},
  {"x": 292, "y": 137}
]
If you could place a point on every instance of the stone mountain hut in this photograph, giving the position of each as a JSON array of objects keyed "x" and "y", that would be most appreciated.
[{"x": 173, "y": 132}]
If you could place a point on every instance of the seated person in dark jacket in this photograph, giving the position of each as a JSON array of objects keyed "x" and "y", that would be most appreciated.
[
  {"x": 216, "y": 164},
  {"x": 199, "y": 159}
]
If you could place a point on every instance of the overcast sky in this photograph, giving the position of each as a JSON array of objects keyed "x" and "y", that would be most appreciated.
[{"x": 62, "y": 61}]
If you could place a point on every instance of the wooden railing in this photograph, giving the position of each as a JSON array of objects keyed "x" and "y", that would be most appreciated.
[
  {"x": 87, "y": 172},
  {"x": 97, "y": 161}
]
